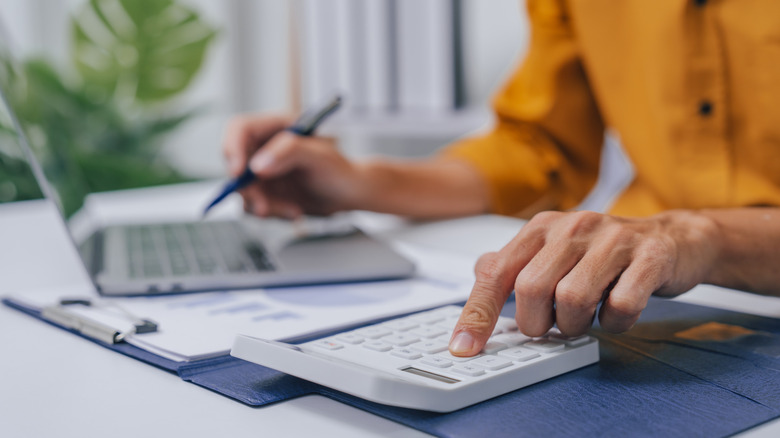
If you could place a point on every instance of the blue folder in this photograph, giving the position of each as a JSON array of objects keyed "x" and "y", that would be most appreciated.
[{"x": 649, "y": 382}]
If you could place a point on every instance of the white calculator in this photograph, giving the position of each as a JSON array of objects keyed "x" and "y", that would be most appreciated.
[{"x": 405, "y": 361}]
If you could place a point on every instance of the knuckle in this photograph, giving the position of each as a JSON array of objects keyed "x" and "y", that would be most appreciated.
[
  {"x": 573, "y": 296},
  {"x": 616, "y": 234},
  {"x": 489, "y": 267},
  {"x": 531, "y": 287},
  {"x": 657, "y": 257},
  {"x": 625, "y": 308},
  {"x": 545, "y": 217},
  {"x": 539, "y": 224},
  {"x": 581, "y": 223},
  {"x": 656, "y": 247}
]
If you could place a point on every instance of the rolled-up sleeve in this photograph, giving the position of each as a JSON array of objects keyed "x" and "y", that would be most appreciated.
[{"x": 543, "y": 153}]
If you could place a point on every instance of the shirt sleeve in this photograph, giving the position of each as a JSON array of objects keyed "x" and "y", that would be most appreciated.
[{"x": 543, "y": 152}]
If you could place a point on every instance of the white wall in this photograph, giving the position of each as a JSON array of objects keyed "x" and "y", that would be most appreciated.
[
  {"x": 247, "y": 71},
  {"x": 250, "y": 66},
  {"x": 494, "y": 41}
]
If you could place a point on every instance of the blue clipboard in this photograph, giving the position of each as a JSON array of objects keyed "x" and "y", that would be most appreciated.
[{"x": 649, "y": 382}]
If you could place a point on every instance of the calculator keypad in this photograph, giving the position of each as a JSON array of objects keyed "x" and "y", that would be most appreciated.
[{"x": 422, "y": 341}]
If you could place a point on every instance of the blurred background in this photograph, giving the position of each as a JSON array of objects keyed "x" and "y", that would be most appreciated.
[
  {"x": 128, "y": 93},
  {"x": 415, "y": 74}
]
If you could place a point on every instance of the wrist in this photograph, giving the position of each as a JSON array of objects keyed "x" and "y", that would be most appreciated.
[
  {"x": 698, "y": 246},
  {"x": 366, "y": 186}
]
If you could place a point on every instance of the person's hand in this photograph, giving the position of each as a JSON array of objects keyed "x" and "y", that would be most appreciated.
[
  {"x": 295, "y": 175},
  {"x": 562, "y": 265}
]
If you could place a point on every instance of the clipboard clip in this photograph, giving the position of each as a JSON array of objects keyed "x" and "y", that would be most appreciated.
[{"x": 75, "y": 315}]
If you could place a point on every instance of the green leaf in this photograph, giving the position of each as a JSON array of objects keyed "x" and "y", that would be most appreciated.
[
  {"x": 144, "y": 50},
  {"x": 116, "y": 171},
  {"x": 17, "y": 182}
]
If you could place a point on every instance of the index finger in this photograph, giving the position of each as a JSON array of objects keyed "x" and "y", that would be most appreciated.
[
  {"x": 245, "y": 135},
  {"x": 496, "y": 273}
]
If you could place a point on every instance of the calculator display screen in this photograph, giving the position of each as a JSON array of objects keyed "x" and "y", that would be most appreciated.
[{"x": 430, "y": 375}]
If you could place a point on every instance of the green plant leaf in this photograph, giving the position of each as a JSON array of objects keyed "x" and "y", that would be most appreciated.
[
  {"x": 17, "y": 182},
  {"x": 95, "y": 129},
  {"x": 113, "y": 171},
  {"x": 144, "y": 50}
]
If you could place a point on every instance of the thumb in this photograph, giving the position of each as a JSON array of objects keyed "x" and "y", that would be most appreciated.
[{"x": 280, "y": 155}]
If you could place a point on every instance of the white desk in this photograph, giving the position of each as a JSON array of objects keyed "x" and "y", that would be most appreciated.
[{"x": 55, "y": 384}]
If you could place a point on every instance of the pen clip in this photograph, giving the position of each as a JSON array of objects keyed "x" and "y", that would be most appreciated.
[{"x": 64, "y": 314}]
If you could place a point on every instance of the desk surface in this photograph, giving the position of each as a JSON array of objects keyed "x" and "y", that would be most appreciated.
[{"x": 96, "y": 392}]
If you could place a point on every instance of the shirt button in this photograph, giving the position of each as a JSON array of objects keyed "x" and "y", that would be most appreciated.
[{"x": 705, "y": 108}]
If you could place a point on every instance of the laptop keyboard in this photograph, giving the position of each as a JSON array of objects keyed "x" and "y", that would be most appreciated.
[{"x": 206, "y": 248}]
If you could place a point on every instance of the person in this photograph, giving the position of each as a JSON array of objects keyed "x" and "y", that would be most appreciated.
[{"x": 689, "y": 86}]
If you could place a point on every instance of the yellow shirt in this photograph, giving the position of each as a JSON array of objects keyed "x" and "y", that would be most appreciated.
[{"x": 692, "y": 87}]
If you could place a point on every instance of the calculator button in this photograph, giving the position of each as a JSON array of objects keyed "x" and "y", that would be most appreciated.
[
  {"x": 350, "y": 338},
  {"x": 427, "y": 317},
  {"x": 511, "y": 339},
  {"x": 544, "y": 345},
  {"x": 406, "y": 353},
  {"x": 401, "y": 339},
  {"x": 448, "y": 324},
  {"x": 492, "y": 362},
  {"x": 446, "y": 338},
  {"x": 447, "y": 355},
  {"x": 400, "y": 325},
  {"x": 505, "y": 324},
  {"x": 327, "y": 344},
  {"x": 519, "y": 354},
  {"x": 468, "y": 369},
  {"x": 571, "y": 342},
  {"x": 428, "y": 332},
  {"x": 437, "y": 361},
  {"x": 449, "y": 311},
  {"x": 372, "y": 332},
  {"x": 378, "y": 345},
  {"x": 493, "y": 347},
  {"x": 429, "y": 347}
]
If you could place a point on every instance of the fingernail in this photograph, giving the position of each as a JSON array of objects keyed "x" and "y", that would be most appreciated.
[
  {"x": 260, "y": 162},
  {"x": 462, "y": 343}
]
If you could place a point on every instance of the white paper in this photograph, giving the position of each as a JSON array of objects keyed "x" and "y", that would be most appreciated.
[{"x": 197, "y": 326}]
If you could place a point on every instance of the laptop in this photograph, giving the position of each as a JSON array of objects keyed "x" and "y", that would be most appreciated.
[{"x": 180, "y": 257}]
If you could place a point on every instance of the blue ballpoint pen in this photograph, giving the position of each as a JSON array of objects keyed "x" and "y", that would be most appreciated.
[{"x": 305, "y": 126}]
